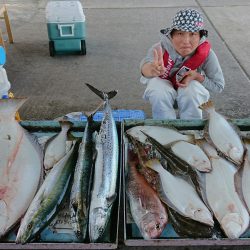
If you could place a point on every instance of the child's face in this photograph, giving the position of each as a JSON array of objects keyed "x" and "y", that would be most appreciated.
[{"x": 185, "y": 42}]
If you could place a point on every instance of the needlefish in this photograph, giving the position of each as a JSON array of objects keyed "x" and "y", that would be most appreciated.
[
  {"x": 20, "y": 165},
  {"x": 106, "y": 170}
]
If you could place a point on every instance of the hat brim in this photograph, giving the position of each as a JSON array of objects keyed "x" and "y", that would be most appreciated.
[{"x": 167, "y": 31}]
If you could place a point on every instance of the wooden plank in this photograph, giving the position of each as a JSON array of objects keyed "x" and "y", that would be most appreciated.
[
  {"x": 1, "y": 39},
  {"x": 4, "y": 15},
  {"x": 8, "y": 27}
]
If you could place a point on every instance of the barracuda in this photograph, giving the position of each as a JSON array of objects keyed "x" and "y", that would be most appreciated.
[{"x": 106, "y": 171}]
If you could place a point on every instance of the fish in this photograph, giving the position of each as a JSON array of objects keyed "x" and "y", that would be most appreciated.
[
  {"x": 142, "y": 153},
  {"x": 80, "y": 191},
  {"x": 242, "y": 177},
  {"x": 163, "y": 135},
  {"x": 175, "y": 165},
  {"x": 222, "y": 197},
  {"x": 192, "y": 154},
  {"x": 181, "y": 196},
  {"x": 223, "y": 135},
  {"x": 48, "y": 199},
  {"x": 21, "y": 165},
  {"x": 55, "y": 147},
  {"x": 104, "y": 190},
  {"x": 186, "y": 227},
  {"x": 147, "y": 210}
]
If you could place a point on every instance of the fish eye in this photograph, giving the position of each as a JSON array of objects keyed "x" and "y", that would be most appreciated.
[
  {"x": 157, "y": 226},
  {"x": 29, "y": 226}
]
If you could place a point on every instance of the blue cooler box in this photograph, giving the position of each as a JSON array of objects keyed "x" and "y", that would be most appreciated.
[{"x": 66, "y": 27}]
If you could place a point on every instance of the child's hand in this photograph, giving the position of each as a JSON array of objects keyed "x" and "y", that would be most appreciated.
[
  {"x": 189, "y": 76},
  {"x": 157, "y": 66}
]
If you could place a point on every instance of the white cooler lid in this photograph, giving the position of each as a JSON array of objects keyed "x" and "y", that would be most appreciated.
[{"x": 64, "y": 12}]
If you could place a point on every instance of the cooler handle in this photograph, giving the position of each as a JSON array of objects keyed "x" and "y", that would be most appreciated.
[{"x": 61, "y": 26}]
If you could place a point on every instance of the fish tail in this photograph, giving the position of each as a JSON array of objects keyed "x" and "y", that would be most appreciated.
[
  {"x": 103, "y": 95},
  {"x": 90, "y": 114},
  {"x": 154, "y": 164},
  {"x": 9, "y": 107},
  {"x": 66, "y": 124},
  {"x": 207, "y": 105}
]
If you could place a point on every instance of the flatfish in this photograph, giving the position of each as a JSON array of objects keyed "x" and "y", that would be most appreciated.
[
  {"x": 223, "y": 135},
  {"x": 20, "y": 166},
  {"x": 222, "y": 197},
  {"x": 163, "y": 135},
  {"x": 181, "y": 196},
  {"x": 192, "y": 154}
]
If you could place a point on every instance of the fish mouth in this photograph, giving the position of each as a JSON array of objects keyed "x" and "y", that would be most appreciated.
[
  {"x": 98, "y": 223},
  {"x": 232, "y": 225}
]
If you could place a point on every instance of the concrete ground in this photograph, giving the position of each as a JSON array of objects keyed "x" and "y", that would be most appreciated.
[{"x": 119, "y": 34}]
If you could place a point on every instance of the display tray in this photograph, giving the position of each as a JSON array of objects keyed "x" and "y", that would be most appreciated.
[
  {"x": 169, "y": 237},
  {"x": 59, "y": 234}
]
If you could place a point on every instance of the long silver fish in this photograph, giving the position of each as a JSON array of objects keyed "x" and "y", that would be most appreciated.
[
  {"x": 48, "y": 198},
  {"x": 106, "y": 171},
  {"x": 55, "y": 147},
  {"x": 222, "y": 197},
  {"x": 80, "y": 191},
  {"x": 20, "y": 166},
  {"x": 222, "y": 134}
]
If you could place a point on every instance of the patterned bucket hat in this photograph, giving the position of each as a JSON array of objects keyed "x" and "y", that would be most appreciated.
[{"x": 189, "y": 20}]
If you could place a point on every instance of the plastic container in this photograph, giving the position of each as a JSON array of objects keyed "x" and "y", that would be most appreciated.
[
  {"x": 66, "y": 27},
  {"x": 119, "y": 115},
  {"x": 4, "y": 84}
]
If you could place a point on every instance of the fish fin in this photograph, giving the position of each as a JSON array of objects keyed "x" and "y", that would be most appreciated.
[
  {"x": 90, "y": 114},
  {"x": 66, "y": 122},
  {"x": 103, "y": 95},
  {"x": 238, "y": 183},
  {"x": 9, "y": 107},
  {"x": 111, "y": 199},
  {"x": 207, "y": 105}
]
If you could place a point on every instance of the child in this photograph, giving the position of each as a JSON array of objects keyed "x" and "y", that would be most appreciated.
[{"x": 181, "y": 68}]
